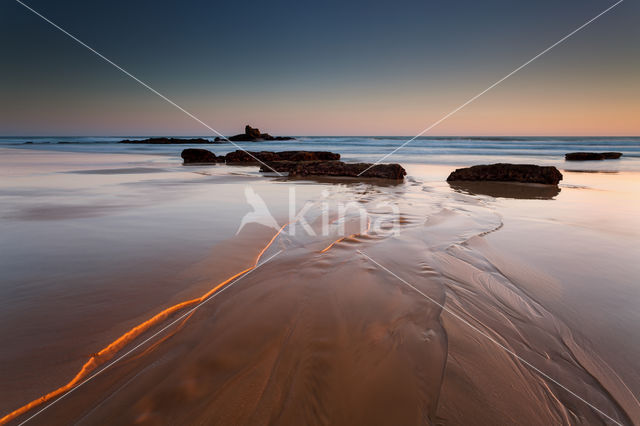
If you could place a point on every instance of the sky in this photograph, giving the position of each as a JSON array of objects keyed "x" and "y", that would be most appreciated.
[{"x": 298, "y": 67}]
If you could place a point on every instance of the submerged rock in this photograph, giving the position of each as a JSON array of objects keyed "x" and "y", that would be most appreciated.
[
  {"x": 168, "y": 141},
  {"x": 586, "y": 156},
  {"x": 337, "y": 168},
  {"x": 266, "y": 156},
  {"x": 503, "y": 172},
  {"x": 252, "y": 134},
  {"x": 200, "y": 156}
]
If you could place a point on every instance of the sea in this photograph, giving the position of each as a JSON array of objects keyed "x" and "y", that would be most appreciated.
[{"x": 424, "y": 150}]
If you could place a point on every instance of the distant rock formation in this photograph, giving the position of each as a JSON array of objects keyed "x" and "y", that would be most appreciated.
[
  {"x": 168, "y": 141},
  {"x": 200, "y": 156},
  {"x": 252, "y": 134},
  {"x": 337, "y": 168},
  {"x": 586, "y": 156},
  {"x": 502, "y": 172}
]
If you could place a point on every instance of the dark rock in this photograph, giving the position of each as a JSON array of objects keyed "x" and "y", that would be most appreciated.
[
  {"x": 168, "y": 141},
  {"x": 267, "y": 156},
  {"x": 200, "y": 156},
  {"x": 586, "y": 156},
  {"x": 337, "y": 168},
  {"x": 298, "y": 163},
  {"x": 612, "y": 155},
  {"x": 252, "y": 134},
  {"x": 307, "y": 156},
  {"x": 501, "y": 172}
]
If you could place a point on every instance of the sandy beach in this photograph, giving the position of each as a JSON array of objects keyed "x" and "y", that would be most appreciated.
[{"x": 343, "y": 329}]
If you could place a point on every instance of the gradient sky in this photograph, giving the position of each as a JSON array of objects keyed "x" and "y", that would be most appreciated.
[{"x": 320, "y": 68}]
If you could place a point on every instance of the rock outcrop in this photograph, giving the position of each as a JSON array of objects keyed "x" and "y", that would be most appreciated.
[
  {"x": 298, "y": 163},
  {"x": 337, "y": 168},
  {"x": 586, "y": 156},
  {"x": 252, "y": 134},
  {"x": 168, "y": 141},
  {"x": 268, "y": 156},
  {"x": 200, "y": 156},
  {"x": 502, "y": 172}
]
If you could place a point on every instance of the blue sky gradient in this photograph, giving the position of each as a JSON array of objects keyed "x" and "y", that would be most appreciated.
[{"x": 320, "y": 68}]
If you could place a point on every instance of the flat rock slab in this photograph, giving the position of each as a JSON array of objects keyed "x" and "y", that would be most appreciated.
[
  {"x": 267, "y": 156},
  {"x": 587, "y": 156},
  {"x": 196, "y": 155},
  {"x": 503, "y": 172},
  {"x": 337, "y": 168}
]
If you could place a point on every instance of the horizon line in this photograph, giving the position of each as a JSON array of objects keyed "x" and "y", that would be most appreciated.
[{"x": 320, "y": 136}]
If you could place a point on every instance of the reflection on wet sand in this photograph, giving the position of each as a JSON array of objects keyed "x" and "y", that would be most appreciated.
[
  {"x": 592, "y": 171},
  {"x": 340, "y": 180},
  {"x": 130, "y": 170},
  {"x": 113, "y": 348},
  {"x": 519, "y": 191}
]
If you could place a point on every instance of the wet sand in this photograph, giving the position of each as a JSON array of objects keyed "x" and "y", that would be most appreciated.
[{"x": 320, "y": 334}]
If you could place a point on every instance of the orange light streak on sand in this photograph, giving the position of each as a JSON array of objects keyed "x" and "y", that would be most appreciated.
[
  {"x": 327, "y": 248},
  {"x": 114, "y": 347},
  {"x": 348, "y": 237}
]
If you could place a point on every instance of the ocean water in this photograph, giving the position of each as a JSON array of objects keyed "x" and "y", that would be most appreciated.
[{"x": 425, "y": 150}]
